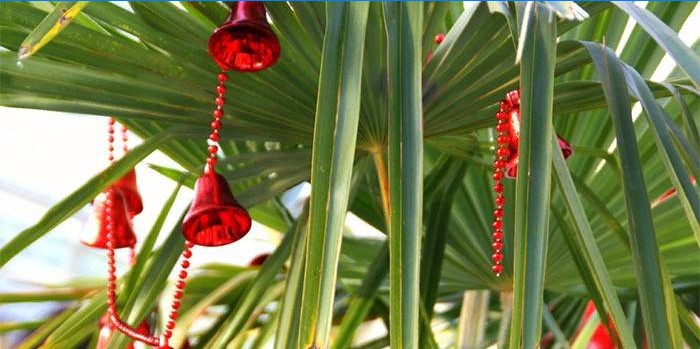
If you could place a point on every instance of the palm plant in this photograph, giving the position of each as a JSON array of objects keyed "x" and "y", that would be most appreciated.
[{"x": 398, "y": 131}]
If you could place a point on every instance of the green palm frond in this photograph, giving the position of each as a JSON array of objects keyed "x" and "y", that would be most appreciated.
[{"x": 397, "y": 130}]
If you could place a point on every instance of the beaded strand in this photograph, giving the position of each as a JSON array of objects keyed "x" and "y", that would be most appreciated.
[{"x": 503, "y": 153}]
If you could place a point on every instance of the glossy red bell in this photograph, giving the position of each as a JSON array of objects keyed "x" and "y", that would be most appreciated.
[
  {"x": 107, "y": 329},
  {"x": 95, "y": 234},
  {"x": 245, "y": 42},
  {"x": 130, "y": 190},
  {"x": 215, "y": 218}
]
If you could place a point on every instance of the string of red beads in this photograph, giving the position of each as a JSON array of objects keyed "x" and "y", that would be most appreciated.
[
  {"x": 216, "y": 124},
  {"x": 160, "y": 342},
  {"x": 503, "y": 154},
  {"x": 177, "y": 296},
  {"x": 125, "y": 149}
]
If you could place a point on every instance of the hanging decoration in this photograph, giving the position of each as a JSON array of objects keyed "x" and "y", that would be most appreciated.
[
  {"x": 244, "y": 43},
  {"x": 112, "y": 210},
  {"x": 506, "y": 166}
]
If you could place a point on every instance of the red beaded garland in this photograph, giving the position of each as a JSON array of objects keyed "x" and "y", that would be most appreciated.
[
  {"x": 504, "y": 154},
  {"x": 439, "y": 38}
]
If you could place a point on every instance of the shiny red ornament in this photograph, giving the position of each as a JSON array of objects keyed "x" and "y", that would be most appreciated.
[
  {"x": 510, "y": 108},
  {"x": 95, "y": 234},
  {"x": 215, "y": 217},
  {"x": 245, "y": 42},
  {"x": 107, "y": 329},
  {"x": 601, "y": 339},
  {"x": 259, "y": 260},
  {"x": 128, "y": 187}
]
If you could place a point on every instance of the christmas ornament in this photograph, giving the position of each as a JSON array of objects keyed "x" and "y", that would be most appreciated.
[
  {"x": 214, "y": 218},
  {"x": 111, "y": 210},
  {"x": 259, "y": 260},
  {"x": 506, "y": 165},
  {"x": 109, "y": 216},
  {"x": 245, "y": 41}
]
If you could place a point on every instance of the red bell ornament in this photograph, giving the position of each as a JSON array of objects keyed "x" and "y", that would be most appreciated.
[
  {"x": 215, "y": 217},
  {"x": 245, "y": 42},
  {"x": 95, "y": 235},
  {"x": 128, "y": 187}
]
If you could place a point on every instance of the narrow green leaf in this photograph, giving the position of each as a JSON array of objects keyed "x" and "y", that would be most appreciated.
[
  {"x": 335, "y": 135},
  {"x": 290, "y": 305},
  {"x": 656, "y": 117},
  {"x": 360, "y": 303},
  {"x": 61, "y": 16},
  {"x": 533, "y": 183},
  {"x": 666, "y": 38},
  {"x": 405, "y": 169},
  {"x": 584, "y": 245},
  {"x": 583, "y": 338},
  {"x": 473, "y": 319},
  {"x": 146, "y": 248},
  {"x": 655, "y": 291},
  {"x": 257, "y": 289}
]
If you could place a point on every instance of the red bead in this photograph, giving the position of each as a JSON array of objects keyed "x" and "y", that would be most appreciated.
[
  {"x": 499, "y": 163},
  {"x": 111, "y": 121},
  {"x": 497, "y": 225},
  {"x": 180, "y": 284},
  {"x": 178, "y": 295},
  {"x": 214, "y": 137},
  {"x": 187, "y": 253},
  {"x": 497, "y": 245},
  {"x": 503, "y": 139},
  {"x": 176, "y": 305},
  {"x": 500, "y": 200},
  {"x": 439, "y": 38},
  {"x": 502, "y": 116},
  {"x": 498, "y": 175},
  {"x": 185, "y": 264},
  {"x": 167, "y": 333},
  {"x": 174, "y": 315},
  {"x": 218, "y": 113},
  {"x": 503, "y": 152},
  {"x": 213, "y": 149},
  {"x": 498, "y": 212},
  {"x": 222, "y": 77},
  {"x": 498, "y": 188},
  {"x": 221, "y": 89},
  {"x": 497, "y": 257},
  {"x": 220, "y": 101},
  {"x": 497, "y": 269},
  {"x": 170, "y": 325},
  {"x": 183, "y": 274}
]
